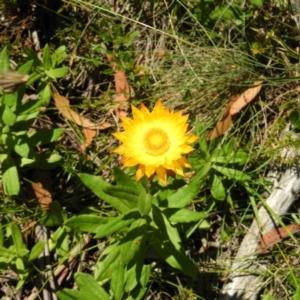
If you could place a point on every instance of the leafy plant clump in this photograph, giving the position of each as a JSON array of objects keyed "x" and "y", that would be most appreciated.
[{"x": 80, "y": 222}]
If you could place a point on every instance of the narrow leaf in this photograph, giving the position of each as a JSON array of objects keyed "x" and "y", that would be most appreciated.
[
  {"x": 114, "y": 224},
  {"x": 184, "y": 196},
  {"x": 117, "y": 280},
  {"x": 4, "y": 60},
  {"x": 232, "y": 173},
  {"x": 183, "y": 215},
  {"x": 85, "y": 223}
]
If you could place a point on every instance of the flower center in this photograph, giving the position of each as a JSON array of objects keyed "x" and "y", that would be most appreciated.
[{"x": 156, "y": 142}]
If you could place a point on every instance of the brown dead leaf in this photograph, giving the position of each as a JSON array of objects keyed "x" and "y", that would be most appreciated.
[
  {"x": 234, "y": 106},
  {"x": 41, "y": 186},
  {"x": 90, "y": 128},
  {"x": 89, "y": 135},
  {"x": 246, "y": 97},
  {"x": 275, "y": 236},
  {"x": 122, "y": 89},
  {"x": 223, "y": 125}
]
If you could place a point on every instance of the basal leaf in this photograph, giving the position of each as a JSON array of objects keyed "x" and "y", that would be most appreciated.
[
  {"x": 117, "y": 280},
  {"x": 89, "y": 287},
  {"x": 144, "y": 203},
  {"x": 105, "y": 268},
  {"x": 97, "y": 185},
  {"x": 131, "y": 242},
  {"x": 86, "y": 223},
  {"x": 123, "y": 179},
  {"x": 161, "y": 221},
  {"x": 184, "y": 196},
  {"x": 114, "y": 224},
  {"x": 171, "y": 255},
  {"x": 232, "y": 173},
  {"x": 183, "y": 215}
]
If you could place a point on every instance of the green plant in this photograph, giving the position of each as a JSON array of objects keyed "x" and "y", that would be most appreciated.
[
  {"x": 18, "y": 140},
  {"x": 145, "y": 219},
  {"x": 14, "y": 253}
]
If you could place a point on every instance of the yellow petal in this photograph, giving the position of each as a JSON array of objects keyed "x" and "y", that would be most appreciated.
[
  {"x": 161, "y": 174},
  {"x": 140, "y": 172},
  {"x": 192, "y": 139}
]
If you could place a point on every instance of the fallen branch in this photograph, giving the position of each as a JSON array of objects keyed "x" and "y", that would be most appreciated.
[{"x": 245, "y": 282}]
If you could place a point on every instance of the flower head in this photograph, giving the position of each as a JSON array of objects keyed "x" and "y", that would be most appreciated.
[{"x": 155, "y": 141}]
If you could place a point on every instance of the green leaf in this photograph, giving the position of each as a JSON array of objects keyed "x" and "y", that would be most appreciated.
[
  {"x": 32, "y": 55},
  {"x": 297, "y": 294},
  {"x": 10, "y": 177},
  {"x": 57, "y": 73},
  {"x": 123, "y": 179},
  {"x": 47, "y": 136},
  {"x": 130, "y": 244},
  {"x": 232, "y": 173},
  {"x": 67, "y": 294},
  {"x": 4, "y": 60},
  {"x": 89, "y": 289},
  {"x": 270, "y": 297},
  {"x": 25, "y": 68},
  {"x": 203, "y": 145},
  {"x": 55, "y": 216},
  {"x": 86, "y": 223},
  {"x": 8, "y": 117},
  {"x": 45, "y": 93},
  {"x": 217, "y": 189},
  {"x": 36, "y": 250},
  {"x": 127, "y": 195},
  {"x": 294, "y": 117},
  {"x": 171, "y": 255},
  {"x": 258, "y": 3},
  {"x": 144, "y": 203},
  {"x": 1, "y": 235},
  {"x": 114, "y": 224},
  {"x": 97, "y": 185},
  {"x": 17, "y": 238},
  {"x": 33, "y": 78},
  {"x": 105, "y": 268},
  {"x": 46, "y": 57},
  {"x": 44, "y": 161},
  {"x": 23, "y": 150},
  {"x": 183, "y": 215},
  {"x": 202, "y": 173},
  {"x": 7, "y": 254},
  {"x": 117, "y": 280},
  {"x": 161, "y": 221},
  {"x": 59, "y": 56},
  {"x": 235, "y": 158},
  {"x": 135, "y": 267},
  {"x": 184, "y": 196},
  {"x": 20, "y": 265}
]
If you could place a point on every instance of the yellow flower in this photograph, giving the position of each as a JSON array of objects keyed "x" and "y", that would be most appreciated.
[{"x": 155, "y": 141}]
